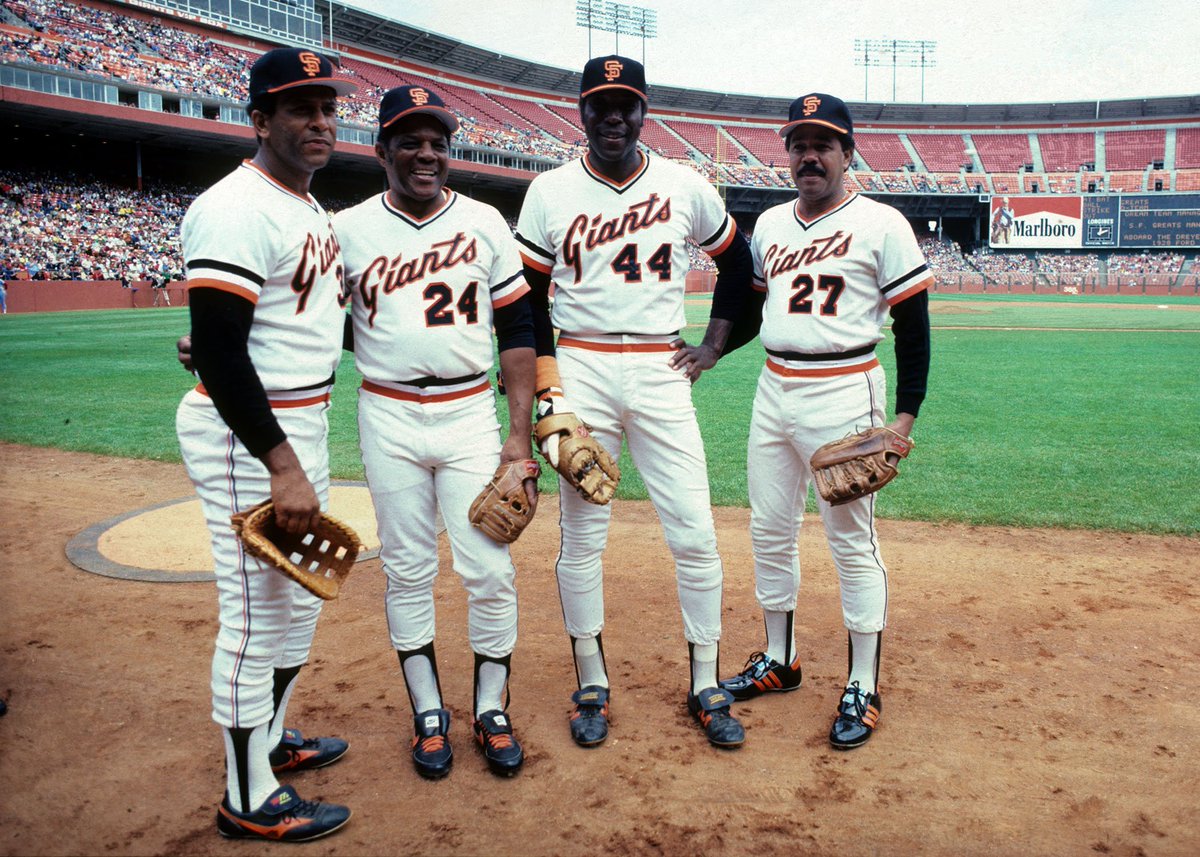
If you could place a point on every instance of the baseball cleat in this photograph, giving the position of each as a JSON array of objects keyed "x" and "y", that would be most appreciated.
[
  {"x": 283, "y": 817},
  {"x": 500, "y": 747},
  {"x": 858, "y": 714},
  {"x": 297, "y": 753},
  {"x": 431, "y": 751},
  {"x": 589, "y": 717},
  {"x": 761, "y": 675},
  {"x": 710, "y": 708}
]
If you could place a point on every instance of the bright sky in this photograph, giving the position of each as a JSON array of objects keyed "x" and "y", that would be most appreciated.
[{"x": 999, "y": 51}]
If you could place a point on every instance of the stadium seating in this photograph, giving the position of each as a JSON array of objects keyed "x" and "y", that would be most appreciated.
[
  {"x": 1002, "y": 153},
  {"x": 882, "y": 151},
  {"x": 1133, "y": 150},
  {"x": 706, "y": 138},
  {"x": 1187, "y": 148},
  {"x": 1067, "y": 152},
  {"x": 941, "y": 152}
]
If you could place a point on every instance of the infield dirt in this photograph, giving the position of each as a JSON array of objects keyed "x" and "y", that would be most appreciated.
[{"x": 1039, "y": 693}]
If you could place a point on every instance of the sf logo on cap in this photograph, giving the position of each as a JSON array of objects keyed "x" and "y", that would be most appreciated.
[
  {"x": 612, "y": 70},
  {"x": 419, "y": 96},
  {"x": 311, "y": 63},
  {"x": 811, "y": 104}
]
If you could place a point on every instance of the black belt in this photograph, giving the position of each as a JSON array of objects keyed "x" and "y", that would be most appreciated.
[
  {"x": 431, "y": 381},
  {"x": 817, "y": 358}
]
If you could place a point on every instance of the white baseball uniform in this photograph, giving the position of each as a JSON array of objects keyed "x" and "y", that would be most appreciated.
[
  {"x": 618, "y": 258},
  {"x": 829, "y": 283},
  {"x": 253, "y": 237},
  {"x": 423, "y": 293}
]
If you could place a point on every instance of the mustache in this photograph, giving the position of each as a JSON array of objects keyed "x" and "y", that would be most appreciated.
[{"x": 810, "y": 170}]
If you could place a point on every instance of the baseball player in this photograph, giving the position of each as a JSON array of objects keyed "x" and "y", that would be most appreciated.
[
  {"x": 264, "y": 276},
  {"x": 833, "y": 265},
  {"x": 610, "y": 230},
  {"x": 430, "y": 273}
]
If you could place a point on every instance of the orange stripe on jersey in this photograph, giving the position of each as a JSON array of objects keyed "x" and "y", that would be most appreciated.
[
  {"x": 724, "y": 245},
  {"x": 266, "y": 175},
  {"x": 808, "y": 220},
  {"x": 603, "y": 179},
  {"x": 403, "y": 396},
  {"x": 222, "y": 286},
  {"x": 536, "y": 263},
  {"x": 318, "y": 399},
  {"x": 505, "y": 301},
  {"x": 892, "y": 300},
  {"x": 615, "y": 347},
  {"x": 826, "y": 372}
]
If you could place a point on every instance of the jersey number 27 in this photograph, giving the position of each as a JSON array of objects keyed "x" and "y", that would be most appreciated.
[{"x": 802, "y": 301}]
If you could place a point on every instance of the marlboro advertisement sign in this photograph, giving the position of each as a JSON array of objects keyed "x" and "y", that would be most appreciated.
[{"x": 1035, "y": 222}]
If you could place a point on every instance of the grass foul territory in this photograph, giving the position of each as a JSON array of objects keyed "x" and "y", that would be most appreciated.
[{"x": 1065, "y": 412}]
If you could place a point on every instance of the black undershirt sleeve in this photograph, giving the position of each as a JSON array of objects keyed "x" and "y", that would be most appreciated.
[
  {"x": 735, "y": 269},
  {"x": 539, "y": 304},
  {"x": 220, "y": 333},
  {"x": 514, "y": 324},
  {"x": 910, "y": 326},
  {"x": 348, "y": 334}
]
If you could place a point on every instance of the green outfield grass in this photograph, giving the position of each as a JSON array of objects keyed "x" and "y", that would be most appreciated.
[{"x": 1053, "y": 411}]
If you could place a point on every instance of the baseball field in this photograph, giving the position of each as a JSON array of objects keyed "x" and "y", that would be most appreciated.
[{"x": 1043, "y": 545}]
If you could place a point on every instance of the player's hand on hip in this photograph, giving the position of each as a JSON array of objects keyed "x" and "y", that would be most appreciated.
[
  {"x": 183, "y": 351},
  {"x": 692, "y": 360}
]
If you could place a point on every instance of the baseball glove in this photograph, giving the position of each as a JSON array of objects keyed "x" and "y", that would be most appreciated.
[
  {"x": 858, "y": 465},
  {"x": 502, "y": 509},
  {"x": 582, "y": 460},
  {"x": 319, "y": 561}
]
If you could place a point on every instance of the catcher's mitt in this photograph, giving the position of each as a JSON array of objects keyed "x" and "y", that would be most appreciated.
[
  {"x": 502, "y": 509},
  {"x": 582, "y": 460},
  {"x": 858, "y": 465},
  {"x": 319, "y": 561}
]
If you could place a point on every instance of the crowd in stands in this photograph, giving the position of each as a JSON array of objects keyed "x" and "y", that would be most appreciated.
[
  {"x": 72, "y": 228},
  {"x": 149, "y": 51},
  {"x": 1145, "y": 262}
]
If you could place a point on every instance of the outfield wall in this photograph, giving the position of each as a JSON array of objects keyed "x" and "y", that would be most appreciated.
[{"x": 61, "y": 295}]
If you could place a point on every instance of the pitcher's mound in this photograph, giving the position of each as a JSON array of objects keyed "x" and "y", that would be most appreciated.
[{"x": 169, "y": 541}]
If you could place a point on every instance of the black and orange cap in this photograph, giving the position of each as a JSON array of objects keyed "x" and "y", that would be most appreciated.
[
  {"x": 817, "y": 108},
  {"x": 408, "y": 100},
  {"x": 613, "y": 72},
  {"x": 289, "y": 68}
]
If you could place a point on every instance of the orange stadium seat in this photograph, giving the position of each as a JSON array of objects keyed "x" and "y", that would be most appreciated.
[
  {"x": 882, "y": 151},
  {"x": 657, "y": 137},
  {"x": 1187, "y": 148},
  {"x": 1000, "y": 153},
  {"x": 537, "y": 115},
  {"x": 1067, "y": 152},
  {"x": 1127, "y": 182},
  {"x": 1134, "y": 150},
  {"x": 763, "y": 143},
  {"x": 705, "y": 138},
  {"x": 941, "y": 152}
]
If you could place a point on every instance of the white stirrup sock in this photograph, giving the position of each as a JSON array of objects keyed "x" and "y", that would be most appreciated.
[
  {"x": 421, "y": 677},
  {"x": 704, "y": 666},
  {"x": 249, "y": 779},
  {"x": 589, "y": 662},
  {"x": 864, "y": 660},
  {"x": 491, "y": 678},
  {"x": 781, "y": 635}
]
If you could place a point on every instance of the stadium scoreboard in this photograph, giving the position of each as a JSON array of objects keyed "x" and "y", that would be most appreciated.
[
  {"x": 1141, "y": 220},
  {"x": 1111, "y": 221}
]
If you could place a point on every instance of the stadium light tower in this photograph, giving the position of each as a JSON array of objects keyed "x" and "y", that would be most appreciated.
[
  {"x": 594, "y": 15},
  {"x": 617, "y": 18},
  {"x": 909, "y": 53}
]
